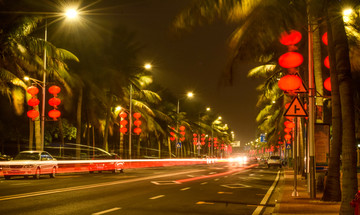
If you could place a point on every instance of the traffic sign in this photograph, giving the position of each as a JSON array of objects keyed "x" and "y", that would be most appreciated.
[
  {"x": 296, "y": 109},
  {"x": 288, "y": 146},
  {"x": 178, "y": 145}
]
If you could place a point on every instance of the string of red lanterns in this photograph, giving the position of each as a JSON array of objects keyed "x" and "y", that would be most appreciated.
[
  {"x": 54, "y": 102},
  {"x": 33, "y": 102}
]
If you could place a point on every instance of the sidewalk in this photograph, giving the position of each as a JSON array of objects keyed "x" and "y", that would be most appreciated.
[{"x": 302, "y": 204}]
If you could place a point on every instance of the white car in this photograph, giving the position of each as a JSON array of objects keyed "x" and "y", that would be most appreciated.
[
  {"x": 274, "y": 161},
  {"x": 30, "y": 163}
]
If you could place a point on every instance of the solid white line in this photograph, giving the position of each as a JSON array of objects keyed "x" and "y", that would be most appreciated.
[
  {"x": 203, "y": 183},
  {"x": 267, "y": 196},
  {"x": 106, "y": 211},
  {"x": 156, "y": 197},
  {"x": 186, "y": 188}
]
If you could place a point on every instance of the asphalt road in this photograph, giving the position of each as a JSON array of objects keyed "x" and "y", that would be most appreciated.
[{"x": 197, "y": 189}]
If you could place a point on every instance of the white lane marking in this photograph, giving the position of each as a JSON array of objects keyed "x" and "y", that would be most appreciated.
[
  {"x": 83, "y": 187},
  {"x": 212, "y": 173},
  {"x": 203, "y": 183},
  {"x": 191, "y": 176},
  {"x": 156, "y": 197},
  {"x": 106, "y": 211},
  {"x": 164, "y": 182},
  {"x": 216, "y": 179},
  {"x": 267, "y": 195},
  {"x": 186, "y": 188}
]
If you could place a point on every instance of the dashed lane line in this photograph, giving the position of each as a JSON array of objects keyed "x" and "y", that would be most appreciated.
[
  {"x": 186, "y": 188},
  {"x": 157, "y": 197},
  {"x": 106, "y": 211}
]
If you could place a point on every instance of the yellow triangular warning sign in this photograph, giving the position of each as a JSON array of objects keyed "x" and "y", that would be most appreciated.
[
  {"x": 302, "y": 89},
  {"x": 296, "y": 109}
]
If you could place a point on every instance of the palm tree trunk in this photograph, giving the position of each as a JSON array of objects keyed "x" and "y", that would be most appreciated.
[
  {"x": 169, "y": 145},
  {"x": 349, "y": 179},
  {"x": 121, "y": 147},
  {"x": 61, "y": 130},
  {"x": 31, "y": 134},
  {"x": 332, "y": 190},
  {"x": 78, "y": 122},
  {"x": 159, "y": 146},
  {"x": 37, "y": 132},
  {"x": 138, "y": 146}
]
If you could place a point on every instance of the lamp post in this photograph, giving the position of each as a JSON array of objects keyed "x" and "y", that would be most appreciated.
[
  {"x": 70, "y": 13},
  {"x": 188, "y": 95}
]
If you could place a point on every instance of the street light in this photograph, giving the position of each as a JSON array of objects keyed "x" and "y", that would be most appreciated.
[
  {"x": 188, "y": 95},
  {"x": 71, "y": 14}
]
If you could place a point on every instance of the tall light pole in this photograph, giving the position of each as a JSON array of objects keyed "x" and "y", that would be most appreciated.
[
  {"x": 71, "y": 14},
  {"x": 188, "y": 95}
]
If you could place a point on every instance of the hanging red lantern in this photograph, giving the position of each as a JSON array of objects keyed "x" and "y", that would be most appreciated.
[
  {"x": 202, "y": 143},
  {"x": 290, "y": 118},
  {"x": 33, "y": 102},
  {"x": 182, "y": 128},
  {"x": 32, "y": 114},
  {"x": 290, "y": 38},
  {"x": 182, "y": 133},
  {"x": 280, "y": 142},
  {"x": 325, "y": 38},
  {"x": 54, "y": 101},
  {"x": 123, "y": 122},
  {"x": 194, "y": 139},
  {"x": 123, "y": 130},
  {"x": 287, "y": 136},
  {"x": 123, "y": 115},
  {"x": 172, "y": 138},
  {"x": 54, "y": 114},
  {"x": 289, "y": 124},
  {"x": 194, "y": 135},
  {"x": 287, "y": 130},
  {"x": 327, "y": 62},
  {"x": 137, "y": 123},
  {"x": 289, "y": 82},
  {"x": 327, "y": 84},
  {"x": 32, "y": 90},
  {"x": 54, "y": 90},
  {"x": 182, "y": 138},
  {"x": 137, "y": 115},
  {"x": 172, "y": 133},
  {"x": 137, "y": 131},
  {"x": 290, "y": 60}
]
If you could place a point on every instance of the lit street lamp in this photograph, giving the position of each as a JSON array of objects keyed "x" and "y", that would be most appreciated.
[
  {"x": 188, "y": 95},
  {"x": 71, "y": 14}
]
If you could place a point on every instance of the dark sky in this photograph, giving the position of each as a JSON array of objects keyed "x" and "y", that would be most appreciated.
[{"x": 192, "y": 62}]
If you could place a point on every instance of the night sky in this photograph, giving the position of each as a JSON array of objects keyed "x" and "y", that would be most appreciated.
[{"x": 190, "y": 61}]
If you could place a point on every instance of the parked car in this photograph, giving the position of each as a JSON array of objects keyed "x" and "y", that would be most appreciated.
[
  {"x": 30, "y": 163},
  {"x": 274, "y": 161}
]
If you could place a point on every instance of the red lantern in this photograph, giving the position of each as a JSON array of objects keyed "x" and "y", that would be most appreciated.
[
  {"x": 327, "y": 62},
  {"x": 195, "y": 135},
  {"x": 287, "y": 136},
  {"x": 182, "y": 133},
  {"x": 290, "y": 38},
  {"x": 54, "y": 114},
  {"x": 32, "y": 90},
  {"x": 195, "y": 139},
  {"x": 123, "y": 115},
  {"x": 289, "y": 82},
  {"x": 33, "y": 114},
  {"x": 289, "y": 118},
  {"x": 172, "y": 133},
  {"x": 287, "y": 130},
  {"x": 123, "y": 122},
  {"x": 33, "y": 102},
  {"x": 182, "y": 138},
  {"x": 137, "y": 115},
  {"x": 54, "y": 90},
  {"x": 54, "y": 101},
  {"x": 327, "y": 84},
  {"x": 280, "y": 142},
  {"x": 123, "y": 130},
  {"x": 137, "y": 123},
  {"x": 172, "y": 138},
  {"x": 289, "y": 124},
  {"x": 325, "y": 38},
  {"x": 290, "y": 60},
  {"x": 182, "y": 128},
  {"x": 137, "y": 131}
]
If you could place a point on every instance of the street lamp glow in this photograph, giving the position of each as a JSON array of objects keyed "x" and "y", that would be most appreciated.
[
  {"x": 71, "y": 13},
  {"x": 208, "y": 109},
  {"x": 147, "y": 66},
  {"x": 118, "y": 108},
  {"x": 190, "y": 94},
  {"x": 26, "y": 78},
  {"x": 219, "y": 118},
  {"x": 347, "y": 12}
]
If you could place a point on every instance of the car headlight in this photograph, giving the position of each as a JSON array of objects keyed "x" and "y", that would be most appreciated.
[{"x": 28, "y": 166}]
